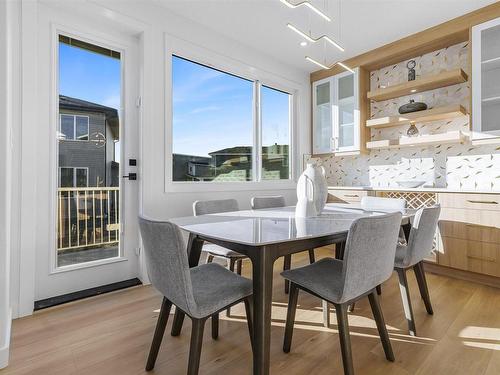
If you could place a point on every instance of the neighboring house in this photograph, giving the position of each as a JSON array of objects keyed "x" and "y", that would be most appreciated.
[
  {"x": 231, "y": 164},
  {"x": 88, "y": 133}
]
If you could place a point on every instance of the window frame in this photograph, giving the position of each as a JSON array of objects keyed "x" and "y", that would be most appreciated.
[
  {"x": 75, "y": 139},
  {"x": 74, "y": 177},
  {"x": 210, "y": 59}
]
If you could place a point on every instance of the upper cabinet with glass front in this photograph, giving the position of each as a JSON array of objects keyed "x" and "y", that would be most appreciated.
[
  {"x": 486, "y": 79},
  {"x": 336, "y": 116}
]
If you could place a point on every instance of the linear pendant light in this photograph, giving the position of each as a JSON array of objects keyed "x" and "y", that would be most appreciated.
[
  {"x": 314, "y": 40},
  {"x": 310, "y": 59},
  {"x": 307, "y": 4}
]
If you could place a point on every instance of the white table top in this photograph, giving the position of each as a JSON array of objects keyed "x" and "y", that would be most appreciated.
[{"x": 275, "y": 225}]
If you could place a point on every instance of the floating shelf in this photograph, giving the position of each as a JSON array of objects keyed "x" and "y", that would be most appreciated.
[
  {"x": 434, "y": 114},
  {"x": 422, "y": 140},
  {"x": 448, "y": 78}
]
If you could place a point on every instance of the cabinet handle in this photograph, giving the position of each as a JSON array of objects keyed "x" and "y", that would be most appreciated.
[
  {"x": 493, "y": 260},
  {"x": 351, "y": 195},
  {"x": 482, "y": 202}
]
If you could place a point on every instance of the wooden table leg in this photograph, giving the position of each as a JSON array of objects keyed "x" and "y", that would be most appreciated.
[
  {"x": 262, "y": 265},
  {"x": 194, "y": 247}
]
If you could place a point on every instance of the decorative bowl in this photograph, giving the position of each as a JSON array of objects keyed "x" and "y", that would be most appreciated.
[
  {"x": 410, "y": 184},
  {"x": 412, "y": 106}
]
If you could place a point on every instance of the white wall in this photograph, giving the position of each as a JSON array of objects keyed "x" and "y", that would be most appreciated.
[
  {"x": 31, "y": 172},
  {"x": 5, "y": 176}
]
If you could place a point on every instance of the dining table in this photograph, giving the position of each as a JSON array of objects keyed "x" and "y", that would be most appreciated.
[{"x": 264, "y": 236}]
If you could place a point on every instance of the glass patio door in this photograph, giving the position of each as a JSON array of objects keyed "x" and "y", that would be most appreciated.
[{"x": 96, "y": 128}]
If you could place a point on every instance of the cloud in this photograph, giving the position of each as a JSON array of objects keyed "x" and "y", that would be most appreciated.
[{"x": 209, "y": 108}]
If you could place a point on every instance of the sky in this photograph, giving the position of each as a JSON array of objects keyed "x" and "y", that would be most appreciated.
[
  {"x": 89, "y": 76},
  {"x": 212, "y": 110}
]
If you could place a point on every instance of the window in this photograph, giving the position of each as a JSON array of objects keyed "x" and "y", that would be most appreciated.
[
  {"x": 275, "y": 109},
  {"x": 73, "y": 177},
  {"x": 74, "y": 128},
  {"x": 214, "y": 126}
]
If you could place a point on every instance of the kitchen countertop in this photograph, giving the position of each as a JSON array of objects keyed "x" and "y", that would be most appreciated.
[{"x": 418, "y": 190}]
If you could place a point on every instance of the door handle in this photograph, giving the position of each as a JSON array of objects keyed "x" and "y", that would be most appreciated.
[{"x": 131, "y": 176}]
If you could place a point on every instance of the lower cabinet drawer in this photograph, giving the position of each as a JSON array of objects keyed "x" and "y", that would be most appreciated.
[
  {"x": 471, "y": 201},
  {"x": 345, "y": 196},
  {"x": 474, "y": 256},
  {"x": 474, "y": 225}
]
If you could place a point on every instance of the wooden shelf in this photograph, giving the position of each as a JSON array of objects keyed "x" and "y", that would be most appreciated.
[
  {"x": 422, "y": 140},
  {"x": 448, "y": 78},
  {"x": 434, "y": 114}
]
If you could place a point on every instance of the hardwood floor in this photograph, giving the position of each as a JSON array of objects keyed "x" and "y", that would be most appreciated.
[{"x": 110, "y": 334}]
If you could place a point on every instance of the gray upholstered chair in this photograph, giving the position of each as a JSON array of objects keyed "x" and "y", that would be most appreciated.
[
  {"x": 259, "y": 203},
  {"x": 217, "y": 206},
  {"x": 409, "y": 256},
  {"x": 382, "y": 203},
  {"x": 368, "y": 262},
  {"x": 200, "y": 292}
]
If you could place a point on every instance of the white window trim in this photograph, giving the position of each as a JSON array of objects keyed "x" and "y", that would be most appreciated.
[
  {"x": 74, "y": 127},
  {"x": 197, "y": 54},
  {"x": 74, "y": 175}
]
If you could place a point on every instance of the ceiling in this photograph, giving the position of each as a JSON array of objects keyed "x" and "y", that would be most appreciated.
[{"x": 360, "y": 25}]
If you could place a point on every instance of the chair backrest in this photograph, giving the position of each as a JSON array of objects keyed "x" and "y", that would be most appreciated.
[
  {"x": 167, "y": 262},
  {"x": 369, "y": 253},
  {"x": 258, "y": 203},
  {"x": 422, "y": 234},
  {"x": 214, "y": 206},
  {"x": 379, "y": 203}
]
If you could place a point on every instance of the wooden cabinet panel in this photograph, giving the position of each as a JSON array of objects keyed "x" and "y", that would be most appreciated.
[
  {"x": 474, "y": 225},
  {"x": 474, "y": 256},
  {"x": 345, "y": 196},
  {"x": 470, "y": 201}
]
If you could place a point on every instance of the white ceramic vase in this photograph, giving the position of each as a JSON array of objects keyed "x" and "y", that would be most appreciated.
[{"x": 312, "y": 191}]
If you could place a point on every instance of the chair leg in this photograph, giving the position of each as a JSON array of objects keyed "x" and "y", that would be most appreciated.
[
  {"x": 210, "y": 258},
  {"x": 290, "y": 317},
  {"x": 326, "y": 313},
  {"x": 287, "y": 264},
  {"x": 239, "y": 266},
  {"x": 312, "y": 258},
  {"x": 195, "y": 348},
  {"x": 382, "y": 329},
  {"x": 345, "y": 339},
  {"x": 249, "y": 312},
  {"x": 215, "y": 326},
  {"x": 405, "y": 297},
  {"x": 231, "y": 262},
  {"x": 158, "y": 335},
  {"x": 379, "y": 289},
  {"x": 177, "y": 323},
  {"x": 351, "y": 307},
  {"x": 422, "y": 286}
]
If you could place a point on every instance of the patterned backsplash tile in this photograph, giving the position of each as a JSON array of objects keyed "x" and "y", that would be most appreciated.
[{"x": 456, "y": 166}]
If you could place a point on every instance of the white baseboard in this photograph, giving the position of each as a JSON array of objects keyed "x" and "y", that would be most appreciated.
[{"x": 4, "y": 350}]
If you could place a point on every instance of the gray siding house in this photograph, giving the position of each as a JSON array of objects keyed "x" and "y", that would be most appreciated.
[{"x": 87, "y": 138}]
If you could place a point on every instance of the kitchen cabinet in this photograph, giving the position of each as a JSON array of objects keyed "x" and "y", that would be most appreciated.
[
  {"x": 336, "y": 114},
  {"x": 486, "y": 79}
]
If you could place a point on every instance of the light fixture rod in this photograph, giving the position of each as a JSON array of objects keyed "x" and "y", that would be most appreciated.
[
  {"x": 310, "y": 59},
  {"x": 309, "y": 5},
  {"x": 314, "y": 40}
]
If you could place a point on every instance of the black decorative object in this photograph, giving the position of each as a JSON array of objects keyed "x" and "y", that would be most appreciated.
[
  {"x": 412, "y": 130},
  {"x": 412, "y": 106},
  {"x": 411, "y": 71}
]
